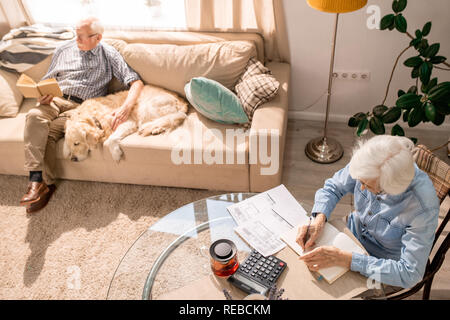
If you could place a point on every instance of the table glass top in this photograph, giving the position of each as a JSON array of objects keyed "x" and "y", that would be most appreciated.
[{"x": 174, "y": 251}]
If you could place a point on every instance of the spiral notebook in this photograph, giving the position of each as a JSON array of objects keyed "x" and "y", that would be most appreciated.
[{"x": 330, "y": 237}]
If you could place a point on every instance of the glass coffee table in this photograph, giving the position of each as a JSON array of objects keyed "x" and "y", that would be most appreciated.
[{"x": 173, "y": 252}]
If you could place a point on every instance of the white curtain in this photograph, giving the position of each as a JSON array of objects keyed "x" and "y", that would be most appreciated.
[
  {"x": 12, "y": 15},
  {"x": 263, "y": 16}
]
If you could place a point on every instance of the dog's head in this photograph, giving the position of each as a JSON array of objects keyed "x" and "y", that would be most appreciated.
[{"x": 82, "y": 135}]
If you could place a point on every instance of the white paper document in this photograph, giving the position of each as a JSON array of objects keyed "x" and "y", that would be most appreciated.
[
  {"x": 261, "y": 219},
  {"x": 260, "y": 238},
  {"x": 330, "y": 237}
]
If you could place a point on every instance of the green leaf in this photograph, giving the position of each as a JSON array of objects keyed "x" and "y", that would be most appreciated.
[
  {"x": 440, "y": 118},
  {"x": 379, "y": 110},
  {"x": 400, "y": 93},
  {"x": 400, "y": 23},
  {"x": 412, "y": 89},
  {"x": 392, "y": 115},
  {"x": 415, "y": 116},
  {"x": 437, "y": 59},
  {"x": 425, "y": 72},
  {"x": 418, "y": 34},
  {"x": 376, "y": 126},
  {"x": 427, "y": 87},
  {"x": 415, "y": 43},
  {"x": 442, "y": 107},
  {"x": 415, "y": 72},
  {"x": 432, "y": 50},
  {"x": 413, "y": 62},
  {"x": 406, "y": 115},
  {"x": 440, "y": 91},
  {"x": 426, "y": 29},
  {"x": 397, "y": 131},
  {"x": 356, "y": 119},
  {"x": 408, "y": 100},
  {"x": 423, "y": 44},
  {"x": 362, "y": 127},
  {"x": 401, "y": 5},
  {"x": 430, "y": 112},
  {"x": 387, "y": 21},
  {"x": 414, "y": 140},
  {"x": 395, "y": 6}
]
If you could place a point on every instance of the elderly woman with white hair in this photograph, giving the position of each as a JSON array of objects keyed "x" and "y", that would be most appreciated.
[{"x": 395, "y": 217}]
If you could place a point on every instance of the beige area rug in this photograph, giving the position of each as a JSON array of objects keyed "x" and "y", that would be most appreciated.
[{"x": 86, "y": 229}]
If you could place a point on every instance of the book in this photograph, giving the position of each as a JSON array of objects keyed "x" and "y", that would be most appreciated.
[
  {"x": 330, "y": 237},
  {"x": 31, "y": 89}
]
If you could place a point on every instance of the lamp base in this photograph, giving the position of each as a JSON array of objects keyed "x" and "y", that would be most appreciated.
[{"x": 324, "y": 150}]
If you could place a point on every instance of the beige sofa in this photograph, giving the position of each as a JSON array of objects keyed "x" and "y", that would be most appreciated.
[{"x": 150, "y": 160}]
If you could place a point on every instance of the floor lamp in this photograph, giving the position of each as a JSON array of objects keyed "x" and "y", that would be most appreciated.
[{"x": 325, "y": 149}]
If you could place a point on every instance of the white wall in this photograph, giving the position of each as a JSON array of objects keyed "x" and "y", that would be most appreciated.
[{"x": 358, "y": 48}]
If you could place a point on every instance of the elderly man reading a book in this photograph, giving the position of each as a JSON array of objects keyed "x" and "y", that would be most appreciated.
[
  {"x": 395, "y": 217},
  {"x": 83, "y": 70}
]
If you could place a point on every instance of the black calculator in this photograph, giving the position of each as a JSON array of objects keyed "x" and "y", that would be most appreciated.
[{"x": 257, "y": 274}]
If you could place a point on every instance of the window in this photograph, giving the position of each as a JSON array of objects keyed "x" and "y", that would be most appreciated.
[{"x": 126, "y": 14}]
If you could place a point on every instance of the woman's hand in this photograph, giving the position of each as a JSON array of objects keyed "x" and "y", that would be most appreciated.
[
  {"x": 314, "y": 231},
  {"x": 45, "y": 99},
  {"x": 327, "y": 256}
]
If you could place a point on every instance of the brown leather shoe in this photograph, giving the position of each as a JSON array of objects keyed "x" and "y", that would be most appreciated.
[
  {"x": 39, "y": 205},
  {"x": 35, "y": 191}
]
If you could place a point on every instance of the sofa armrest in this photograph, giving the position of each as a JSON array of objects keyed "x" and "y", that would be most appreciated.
[{"x": 268, "y": 135}]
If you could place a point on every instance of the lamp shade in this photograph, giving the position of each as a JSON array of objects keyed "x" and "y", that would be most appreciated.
[{"x": 337, "y": 6}]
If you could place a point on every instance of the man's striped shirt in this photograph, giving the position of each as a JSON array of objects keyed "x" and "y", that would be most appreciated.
[{"x": 86, "y": 74}]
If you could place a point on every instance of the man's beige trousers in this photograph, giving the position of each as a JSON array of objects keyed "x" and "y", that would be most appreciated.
[{"x": 43, "y": 128}]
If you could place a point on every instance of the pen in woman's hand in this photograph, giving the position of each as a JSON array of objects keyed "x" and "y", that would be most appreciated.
[{"x": 305, "y": 239}]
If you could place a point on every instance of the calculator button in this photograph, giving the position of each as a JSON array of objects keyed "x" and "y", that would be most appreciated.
[
  {"x": 265, "y": 276},
  {"x": 270, "y": 258},
  {"x": 260, "y": 273},
  {"x": 281, "y": 264}
]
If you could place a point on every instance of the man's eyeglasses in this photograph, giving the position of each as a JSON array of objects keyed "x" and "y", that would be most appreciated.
[{"x": 83, "y": 37}]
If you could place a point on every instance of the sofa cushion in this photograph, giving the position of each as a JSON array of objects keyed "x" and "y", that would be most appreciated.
[
  {"x": 214, "y": 101},
  {"x": 256, "y": 86},
  {"x": 172, "y": 66},
  {"x": 185, "y": 38},
  {"x": 10, "y": 96}
]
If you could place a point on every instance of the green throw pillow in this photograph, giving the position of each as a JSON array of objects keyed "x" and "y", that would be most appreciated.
[{"x": 215, "y": 101}]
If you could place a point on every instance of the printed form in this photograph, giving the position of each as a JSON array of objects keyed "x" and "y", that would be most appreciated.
[{"x": 261, "y": 219}]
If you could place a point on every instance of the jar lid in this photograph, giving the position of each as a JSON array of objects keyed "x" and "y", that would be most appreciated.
[{"x": 223, "y": 250}]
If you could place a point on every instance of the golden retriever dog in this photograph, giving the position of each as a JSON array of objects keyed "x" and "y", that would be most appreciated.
[{"x": 157, "y": 110}]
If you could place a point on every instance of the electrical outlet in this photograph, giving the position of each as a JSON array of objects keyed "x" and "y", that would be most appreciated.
[{"x": 352, "y": 75}]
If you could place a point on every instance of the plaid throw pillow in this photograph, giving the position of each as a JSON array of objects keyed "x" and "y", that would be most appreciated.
[{"x": 256, "y": 86}]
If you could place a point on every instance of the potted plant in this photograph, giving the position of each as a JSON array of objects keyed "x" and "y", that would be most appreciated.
[{"x": 427, "y": 100}]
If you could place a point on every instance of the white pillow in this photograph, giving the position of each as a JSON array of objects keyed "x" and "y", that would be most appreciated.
[{"x": 10, "y": 96}]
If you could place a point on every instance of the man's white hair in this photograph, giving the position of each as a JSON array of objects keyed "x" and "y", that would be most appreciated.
[
  {"x": 387, "y": 158},
  {"x": 94, "y": 24}
]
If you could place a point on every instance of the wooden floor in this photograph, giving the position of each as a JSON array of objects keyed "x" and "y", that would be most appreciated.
[{"x": 303, "y": 177}]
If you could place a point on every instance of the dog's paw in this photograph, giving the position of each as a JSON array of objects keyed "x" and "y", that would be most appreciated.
[
  {"x": 151, "y": 130},
  {"x": 114, "y": 149}
]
